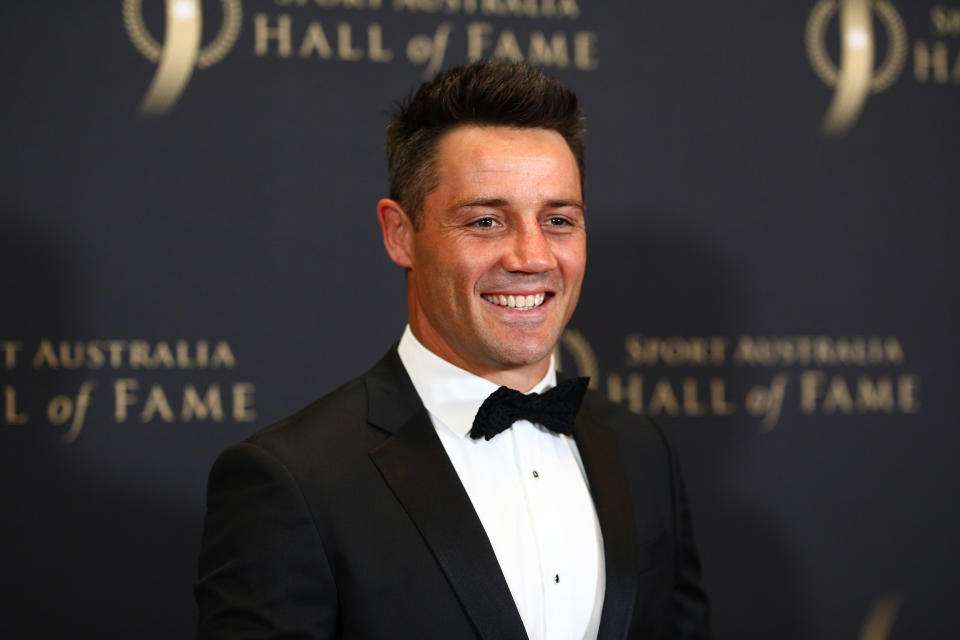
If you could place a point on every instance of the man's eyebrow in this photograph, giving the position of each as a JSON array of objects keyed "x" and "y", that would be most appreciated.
[
  {"x": 556, "y": 204},
  {"x": 481, "y": 202},
  {"x": 500, "y": 202}
]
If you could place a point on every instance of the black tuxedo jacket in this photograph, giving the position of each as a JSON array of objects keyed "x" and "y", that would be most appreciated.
[{"x": 347, "y": 520}]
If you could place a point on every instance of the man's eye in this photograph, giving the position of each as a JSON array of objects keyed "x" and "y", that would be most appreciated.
[
  {"x": 558, "y": 221},
  {"x": 484, "y": 223}
]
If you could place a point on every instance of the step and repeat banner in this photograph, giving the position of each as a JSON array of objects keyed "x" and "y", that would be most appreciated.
[{"x": 190, "y": 252}]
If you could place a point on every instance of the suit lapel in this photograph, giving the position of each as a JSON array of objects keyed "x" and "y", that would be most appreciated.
[
  {"x": 598, "y": 448},
  {"x": 415, "y": 465}
]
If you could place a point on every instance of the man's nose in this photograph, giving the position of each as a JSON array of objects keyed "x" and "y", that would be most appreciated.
[{"x": 530, "y": 251}]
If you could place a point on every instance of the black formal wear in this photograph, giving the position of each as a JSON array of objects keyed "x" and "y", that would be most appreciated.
[{"x": 347, "y": 520}]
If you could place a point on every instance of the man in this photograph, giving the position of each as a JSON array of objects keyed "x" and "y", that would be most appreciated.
[{"x": 421, "y": 501}]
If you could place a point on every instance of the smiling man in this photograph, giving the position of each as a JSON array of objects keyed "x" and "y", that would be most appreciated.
[
  {"x": 496, "y": 256},
  {"x": 457, "y": 489}
]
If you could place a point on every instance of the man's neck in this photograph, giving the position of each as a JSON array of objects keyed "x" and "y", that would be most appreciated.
[{"x": 522, "y": 379}]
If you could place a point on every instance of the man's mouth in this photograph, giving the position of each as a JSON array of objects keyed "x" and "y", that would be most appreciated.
[{"x": 518, "y": 302}]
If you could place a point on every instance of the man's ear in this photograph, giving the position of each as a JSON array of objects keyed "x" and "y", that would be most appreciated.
[{"x": 397, "y": 231}]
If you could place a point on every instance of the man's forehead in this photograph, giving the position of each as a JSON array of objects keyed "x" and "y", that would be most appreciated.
[{"x": 519, "y": 157}]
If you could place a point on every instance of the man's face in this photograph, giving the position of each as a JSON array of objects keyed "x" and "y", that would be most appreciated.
[{"x": 498, "y": 259}]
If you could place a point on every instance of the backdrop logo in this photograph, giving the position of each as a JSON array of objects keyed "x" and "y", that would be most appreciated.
[
  {"x": 181, "y": 50},
  {"x": 582, "y": 358},
  {"x": 857, "y": 75}
]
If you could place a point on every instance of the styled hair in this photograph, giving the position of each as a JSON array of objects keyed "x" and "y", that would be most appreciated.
[{"x": 485, "y": 92}]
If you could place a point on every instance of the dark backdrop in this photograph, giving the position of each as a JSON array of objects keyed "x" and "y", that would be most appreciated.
[{"x": 783, "y": 300}]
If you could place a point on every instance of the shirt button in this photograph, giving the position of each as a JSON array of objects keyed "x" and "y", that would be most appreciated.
[
  {"x": 556, "y": 578},
  {"x": 535, "y": 474}
]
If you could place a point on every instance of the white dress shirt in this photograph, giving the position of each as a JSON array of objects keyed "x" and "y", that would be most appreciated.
[{"x": 529, "y": 489}]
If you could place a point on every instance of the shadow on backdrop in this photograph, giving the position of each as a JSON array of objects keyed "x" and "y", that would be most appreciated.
[
  {"x": 667, "y": 283},
  {"x": 86, "y": 553}
]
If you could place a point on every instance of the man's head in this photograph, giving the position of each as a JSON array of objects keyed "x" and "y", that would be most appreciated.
[
  {"x": 496, "y": 252},
  {"x": 485, "y": 92}
]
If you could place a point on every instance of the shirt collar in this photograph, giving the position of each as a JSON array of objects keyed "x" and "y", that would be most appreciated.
[{"x": 451, "y": 394}]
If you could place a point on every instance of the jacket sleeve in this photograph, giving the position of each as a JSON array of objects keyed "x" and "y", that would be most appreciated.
[
  {"x": 689, "y": 615},
  {"x": 263, "y": 572}
]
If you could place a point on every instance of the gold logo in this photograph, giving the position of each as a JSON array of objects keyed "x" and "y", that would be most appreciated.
[
  {"x": 856, "y": 77},
  {"x": 880, "y": 619},
  {"x": 181, "y": 51},
  {"x": 575, "y": 344}
]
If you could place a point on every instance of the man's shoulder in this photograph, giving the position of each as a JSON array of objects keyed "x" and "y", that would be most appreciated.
[
  {"x": 334, "y": 423},
  {"x": 346, "y": 423},
  {"x": 633, "y": 430},
  {"x": 345, "y": 404}
]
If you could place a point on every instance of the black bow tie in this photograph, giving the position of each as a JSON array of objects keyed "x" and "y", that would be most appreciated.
[{"x": 555, "y": 409}]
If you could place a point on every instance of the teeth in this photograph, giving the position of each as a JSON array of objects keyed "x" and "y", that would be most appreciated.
[{"x": 522, "y": 303}]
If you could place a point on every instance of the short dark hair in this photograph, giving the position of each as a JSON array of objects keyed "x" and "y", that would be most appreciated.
[{"x": 485, "y": 92}]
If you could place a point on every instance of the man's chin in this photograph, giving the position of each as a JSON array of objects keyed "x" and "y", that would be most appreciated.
[{"x": 513, "y": 355}]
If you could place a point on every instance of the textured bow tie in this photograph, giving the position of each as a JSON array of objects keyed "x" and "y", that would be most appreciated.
[{"x": 555, "y": 409}]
